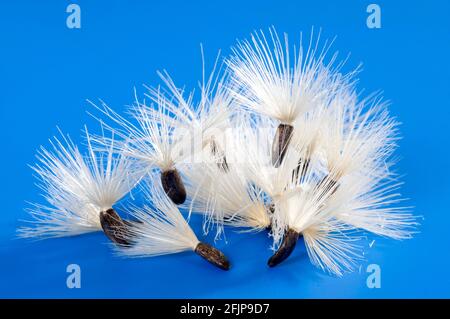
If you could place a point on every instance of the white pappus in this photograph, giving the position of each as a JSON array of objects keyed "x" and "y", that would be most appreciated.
[
  {"x": 80, "y": 190},
  {"x": 161, "y": 229},
  {"x": 354, "y": 192},
  {"x": 330, "y": 175},
  {"x": 279, "y": 139},
  {"x": 153, "y": 140},
  {"x": 283, "y": 82},
  {"x": 200, "y": 124}
]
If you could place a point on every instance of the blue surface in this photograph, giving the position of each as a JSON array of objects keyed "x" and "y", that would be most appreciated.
[{"x": 47, "y": 71}]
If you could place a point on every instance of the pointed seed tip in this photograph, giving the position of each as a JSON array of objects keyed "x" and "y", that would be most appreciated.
[
  {"x": 212, "y": 255},
  {"x": 286, "y": 248}
]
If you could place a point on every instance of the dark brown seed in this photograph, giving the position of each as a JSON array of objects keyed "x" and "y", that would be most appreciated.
[
  {"x": 173, "y": 186},
  {"x": 215, "y": 151},
  {"x": 213, "y": 255},
  {"x": 286, "y": 248},
  {"x": 114, "y": 227},
  {"x": 280, "y": 143}
]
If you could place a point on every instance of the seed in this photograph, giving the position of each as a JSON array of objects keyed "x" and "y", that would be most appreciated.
[
  {"x": 286, "y": 248},
  {"x": 173, "y": 186},
  {"x": 114, "y": 227},
  {"x": 213, "y": 255},
  {"x": 280, "y": 143}
]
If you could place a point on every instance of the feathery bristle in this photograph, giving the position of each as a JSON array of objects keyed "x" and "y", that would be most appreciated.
[
  {"x": 279, "y": 81},
  {"x": 333, "y": 247},
  {"x": 78, "y": 188},
  {"x": 355, "y": 198},
  {"x": 200, "y": 123},
  {"x": 327, "y": 240},
  {"x": 152, "y": 139},
  {"x": 357, "y": 135},
  {"x": 372, "y": 203},
  {"x": 226, "y": 198},
  {"x": 160, "y": 229}
]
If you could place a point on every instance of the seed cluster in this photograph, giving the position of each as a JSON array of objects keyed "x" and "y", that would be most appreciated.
[{"x": 287, "y": 147}]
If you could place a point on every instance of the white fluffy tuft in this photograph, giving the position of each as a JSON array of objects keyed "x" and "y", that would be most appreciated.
[
  {"x": 78, "y": 188},
  {"x": 280, "y": 81},
  {"x": 226, "y": 198},
  {"x": 158, "y": 230},
  {"x": 152, "y": 140}
]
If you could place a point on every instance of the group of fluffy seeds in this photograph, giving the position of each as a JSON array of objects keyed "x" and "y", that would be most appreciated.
[{"x": 279, "y": 141}]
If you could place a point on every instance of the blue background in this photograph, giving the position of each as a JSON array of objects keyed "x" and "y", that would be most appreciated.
[{"x": 47, "y": 72}]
